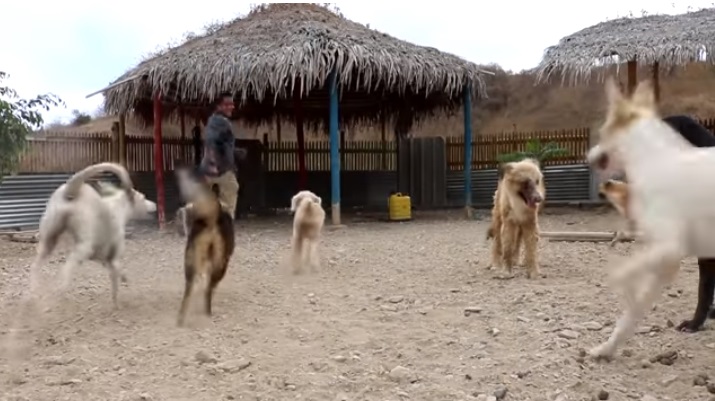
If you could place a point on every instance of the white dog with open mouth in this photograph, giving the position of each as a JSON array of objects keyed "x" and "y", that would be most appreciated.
[{"x": 672, "y": 204}]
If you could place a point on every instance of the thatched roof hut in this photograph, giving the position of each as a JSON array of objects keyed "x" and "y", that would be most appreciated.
[
  {"x": 286, "y": 50},
  {"x": 668, "y": 40}
]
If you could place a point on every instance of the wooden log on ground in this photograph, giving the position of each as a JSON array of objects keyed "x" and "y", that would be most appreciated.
[{"x": 585, "y": 236}]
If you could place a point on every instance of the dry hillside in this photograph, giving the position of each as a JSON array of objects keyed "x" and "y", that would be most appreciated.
[{"x": 514, "y": 103}]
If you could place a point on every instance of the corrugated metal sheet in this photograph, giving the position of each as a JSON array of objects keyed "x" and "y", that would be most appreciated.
[
  {"x": 570, "y": 183},
  {"x": 23, "y": 198}
]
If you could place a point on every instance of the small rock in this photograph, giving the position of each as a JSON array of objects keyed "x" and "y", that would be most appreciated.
[
  {"x": 500, "y": 392},
  {"x": 710, "y": 387},
  {"x": 396, "y": 299},
  {"x": 643, "y": 330},
  {"x": 648, "y": 398},
  {"x": 701, "y": 379},
  {"x": 522, "y": 374},
  {"x": 569, "y": 334},
  {"x": 205, "y": 357},
  {"x": 491, "y": 398},
  {"x": 468, "y": 376},
  {"x": 472, "y": 310},
  {"x": 145, "y": 397},
  {"x": 522, "y": 319},
  {"x": 494, "y": 331},
  {"x": 667, "y": 381},
  {"x": 665, "y": 358},
  {"x": 58, "y": 361},
  {"x": 710, "y": 345},
  {"x": 481, "y": 397},
  {"x": 669, "y": 323},
  {"x": 603, "y": 395},
  {"x": 593, "y": 326},
  {"x": 234, "y": 366},
  {"x": 401, "y": 374},
  {"x": 389, "y": 308},
  {"x": 340, "y": 358},
  {"x": 627, "y": 353},
  {"x": 645, "y": 364}
]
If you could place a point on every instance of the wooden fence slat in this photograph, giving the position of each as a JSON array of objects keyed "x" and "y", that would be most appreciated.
[{"x": 68, "y": 152}]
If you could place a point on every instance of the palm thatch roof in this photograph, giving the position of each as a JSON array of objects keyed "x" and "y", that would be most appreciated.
[
  {"x": 670, "y": 40},
  {"x": 286, "y": 50}
]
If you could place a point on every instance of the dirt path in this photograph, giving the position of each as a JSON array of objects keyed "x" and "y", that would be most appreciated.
[{"x": 383, "y": 320}]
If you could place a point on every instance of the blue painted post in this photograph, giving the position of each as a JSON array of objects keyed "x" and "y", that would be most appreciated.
[
  {"x": 467, "y": 93},
  {"x": 334, "y": 149}
]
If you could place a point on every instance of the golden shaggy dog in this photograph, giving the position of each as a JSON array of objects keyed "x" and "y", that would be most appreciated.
[
  {"x": 307, "y": 224},
  {"x": 517, "y": 203}
]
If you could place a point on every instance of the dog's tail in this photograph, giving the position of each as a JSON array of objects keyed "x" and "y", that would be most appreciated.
[{"x": 75, "y": 182}]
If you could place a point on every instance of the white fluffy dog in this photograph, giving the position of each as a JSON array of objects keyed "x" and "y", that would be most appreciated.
[
  {"x": 672, "y": 189},
  {"x": 307, "y": 225},
  {"x": 96, "y": 220}
]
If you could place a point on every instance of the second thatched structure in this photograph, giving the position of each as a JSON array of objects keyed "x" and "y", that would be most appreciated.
[{"x": 657, "y": 41}]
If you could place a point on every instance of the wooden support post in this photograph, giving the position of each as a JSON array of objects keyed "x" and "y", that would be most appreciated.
[
  {"x": 334, "y": 149},
  {"x": 123, "y": 139},
  {"x": 632, "y": 75},
  {"x": 656, "y": 81},
  {"x": 184, "y": 146},
  {"x": 383, "y": 140},
  {"x": 115, "y": 142},
  {"x": 278, "y": 129},
  {"x": 159, "y": 162},
  {"x": 302, "y": 173},
  {"x": 467, "y": 94}
]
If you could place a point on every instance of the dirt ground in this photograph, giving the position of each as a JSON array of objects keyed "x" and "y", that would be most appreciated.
[{"x": 384, "y": 319}]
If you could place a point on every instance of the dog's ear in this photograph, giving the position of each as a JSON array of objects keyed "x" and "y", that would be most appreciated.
[
  {"x": 317, "y": 199},
  {"x": 294, "y": 202},
  {"x": 613, "y": 92},
  {"x": 643, "y": 96},
  {"x": 505, "y": 169}
]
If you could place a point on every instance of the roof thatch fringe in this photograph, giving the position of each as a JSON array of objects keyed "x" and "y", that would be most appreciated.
[
  {"x": 282, "y": 47},
  {"x": 671, "y": 40}
]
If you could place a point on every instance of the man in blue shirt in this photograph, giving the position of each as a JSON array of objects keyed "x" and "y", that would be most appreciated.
[{"x": 218, "y": 164}]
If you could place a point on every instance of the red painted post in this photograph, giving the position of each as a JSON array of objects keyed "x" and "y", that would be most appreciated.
[{"x": 158, "y": 161}]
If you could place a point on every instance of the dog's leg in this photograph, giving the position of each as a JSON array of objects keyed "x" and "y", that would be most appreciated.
[
  {"x": 184, "y": 303},
  {"x": 530, "y": 236},
  {"x": 313, "y": 255},
  {"x": 509, "y": 235},
  {"x": 517, "y": 248},
  {"x": 643, "y": 277},
  {"x": 706, "y": 286},
  {"x": 296, "y": 253},
  {"x": 81, "y": 254},
  {"x": 115, "y": 275},
  {"x": 209, "y": 297}
]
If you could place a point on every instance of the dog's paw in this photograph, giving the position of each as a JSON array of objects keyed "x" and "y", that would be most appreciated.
[
  {"x": 688, "y": 326},
  {"x": 603, "y": 352}
]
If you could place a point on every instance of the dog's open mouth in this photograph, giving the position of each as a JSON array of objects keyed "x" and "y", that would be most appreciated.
[{"x": 530, "y": 201}]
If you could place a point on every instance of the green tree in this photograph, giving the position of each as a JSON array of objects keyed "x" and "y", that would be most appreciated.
[
  {"x": 534, "y": 149},
  {"x": 18, "y": 118},
  {"x": 80, "y": 118}
]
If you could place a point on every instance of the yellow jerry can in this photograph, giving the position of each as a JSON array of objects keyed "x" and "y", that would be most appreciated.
[{"x": 399, "y": 207}]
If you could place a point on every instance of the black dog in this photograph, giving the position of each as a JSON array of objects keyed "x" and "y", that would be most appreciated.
[{"x": 700, "y": 137}]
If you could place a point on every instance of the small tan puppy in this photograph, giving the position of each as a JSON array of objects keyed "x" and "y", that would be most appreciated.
[
  {"x": 617, "y": 194},
  {"x": 307, "y": 224},
  {"x": 517, "y": 202}
]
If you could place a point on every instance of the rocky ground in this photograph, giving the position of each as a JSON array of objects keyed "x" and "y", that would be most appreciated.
[{"x": 398, "y": 311}]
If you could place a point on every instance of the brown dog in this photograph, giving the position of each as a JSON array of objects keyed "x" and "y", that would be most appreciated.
[
  {"x": 517, "y": 202},
  {"x": 209, "y": 246},
  {"x": 618, "y": 195}
]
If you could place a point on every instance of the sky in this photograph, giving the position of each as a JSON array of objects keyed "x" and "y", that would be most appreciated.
[{"x": 74, "y": 47}]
